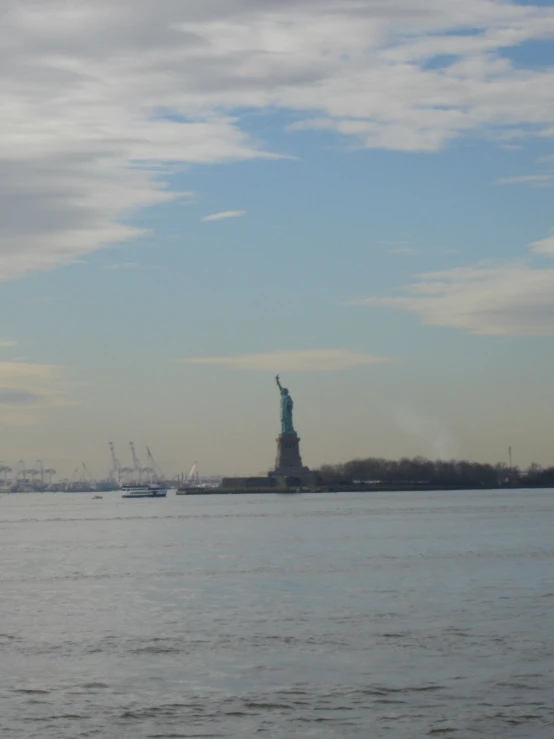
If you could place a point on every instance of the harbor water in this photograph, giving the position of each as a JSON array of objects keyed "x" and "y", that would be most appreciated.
[{"x": 401, "y": 615}]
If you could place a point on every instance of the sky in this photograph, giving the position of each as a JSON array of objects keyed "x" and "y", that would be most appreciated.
[{"x": 196, "y": 196}]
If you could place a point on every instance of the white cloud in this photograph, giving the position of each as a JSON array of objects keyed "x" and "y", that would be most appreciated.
[
  {"x": 7, "y": 343},
  {"x": 308, "y": 360},
  {"x": 537, "y": 180},
  {"x": 28, "y": 390},
  {"x": 98, "y": 98},
  {"x": 545, "y": 247},
  {"x": 132, "y": 266},
  {"x": 223, "y": 215},
  {"x": 512, "y": 299},
  {"x": 490, "y": 299},
  {"x": 405, "y": 250}
]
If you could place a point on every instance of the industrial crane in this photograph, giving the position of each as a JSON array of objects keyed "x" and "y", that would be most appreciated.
[
  {"x": 21, "y": 473},
  {"x": 86, "y": 475},
  {"x": 50, "y": 471},
  {"x": 116, "y": 470},
  {"x": 82, "y": 479},
  {"x": 39, "y": 470},
  {"x": 157, "y": 473},
  {"x": 125, "y": 473},
  {"x": 136, "y": 463}
]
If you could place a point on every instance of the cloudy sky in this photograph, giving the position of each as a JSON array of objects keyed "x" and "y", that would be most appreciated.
[{"x": 197, "y": 195}]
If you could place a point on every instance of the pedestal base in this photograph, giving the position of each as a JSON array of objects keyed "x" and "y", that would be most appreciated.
[
  {"x": 288, "y": 453},
  {"x": 288, "y": 463}
]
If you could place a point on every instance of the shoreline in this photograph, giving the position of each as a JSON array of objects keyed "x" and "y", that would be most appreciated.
[{"x": 370, "y": 488}]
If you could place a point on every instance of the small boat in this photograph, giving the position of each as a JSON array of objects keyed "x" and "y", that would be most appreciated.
[
  {"x": 97, "y": 497},
  {"x": 153, "y": 490}
]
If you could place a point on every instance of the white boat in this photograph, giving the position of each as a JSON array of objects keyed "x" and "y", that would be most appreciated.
[{"x": 154, "y": 490}]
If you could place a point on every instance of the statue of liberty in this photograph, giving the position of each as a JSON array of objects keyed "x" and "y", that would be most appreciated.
[{"x": 286, "y": 409}]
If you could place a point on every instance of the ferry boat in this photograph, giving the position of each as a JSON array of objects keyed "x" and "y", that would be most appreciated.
[{"x": 154, "y": 490}]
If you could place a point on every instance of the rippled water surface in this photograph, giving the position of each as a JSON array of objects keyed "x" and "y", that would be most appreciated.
[{"x": 403, "y": 615}]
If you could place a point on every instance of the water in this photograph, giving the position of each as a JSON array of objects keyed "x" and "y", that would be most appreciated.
[{"x": 403, "y": 615}]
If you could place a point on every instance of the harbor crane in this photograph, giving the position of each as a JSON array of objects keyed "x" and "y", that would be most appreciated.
[
  {"x": 50, "y": 472},
  {"x": 82, "y": 478},
  {"x": 116, "y": 469},
  {"x": 136, "y": 463},
  {"x": 21, "y": 472},
  {"x": 157, "y": 473},
  {"x": 137, "y": 474},
  {"x": 86, "y": 475},
  {"x": 38, "y": 470},
  {"x": 125, "y": 474}
]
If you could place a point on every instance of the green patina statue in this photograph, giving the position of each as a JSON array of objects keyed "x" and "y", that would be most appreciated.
[{"x": 286, "y": 409}]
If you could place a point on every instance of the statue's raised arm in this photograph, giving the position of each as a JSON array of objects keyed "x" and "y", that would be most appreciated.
[{"x": 286, "y": 409}]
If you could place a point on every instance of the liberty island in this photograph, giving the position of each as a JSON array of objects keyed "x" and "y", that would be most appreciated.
[{"x": 289, "y": 472}]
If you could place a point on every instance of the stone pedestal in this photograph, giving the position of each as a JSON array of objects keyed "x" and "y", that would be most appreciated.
[
  {"x": 288, "y": 453},
  {"x": 288, "y": 463}
]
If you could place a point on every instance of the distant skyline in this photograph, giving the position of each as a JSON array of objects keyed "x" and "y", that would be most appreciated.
[{"x": 196, "y": 196}]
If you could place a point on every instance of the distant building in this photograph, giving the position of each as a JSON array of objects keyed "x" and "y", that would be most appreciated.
[{"x": 248, "y": 482}]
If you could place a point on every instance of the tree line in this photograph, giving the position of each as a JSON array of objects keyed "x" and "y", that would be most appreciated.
[{"x": 422, "y": 471}]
